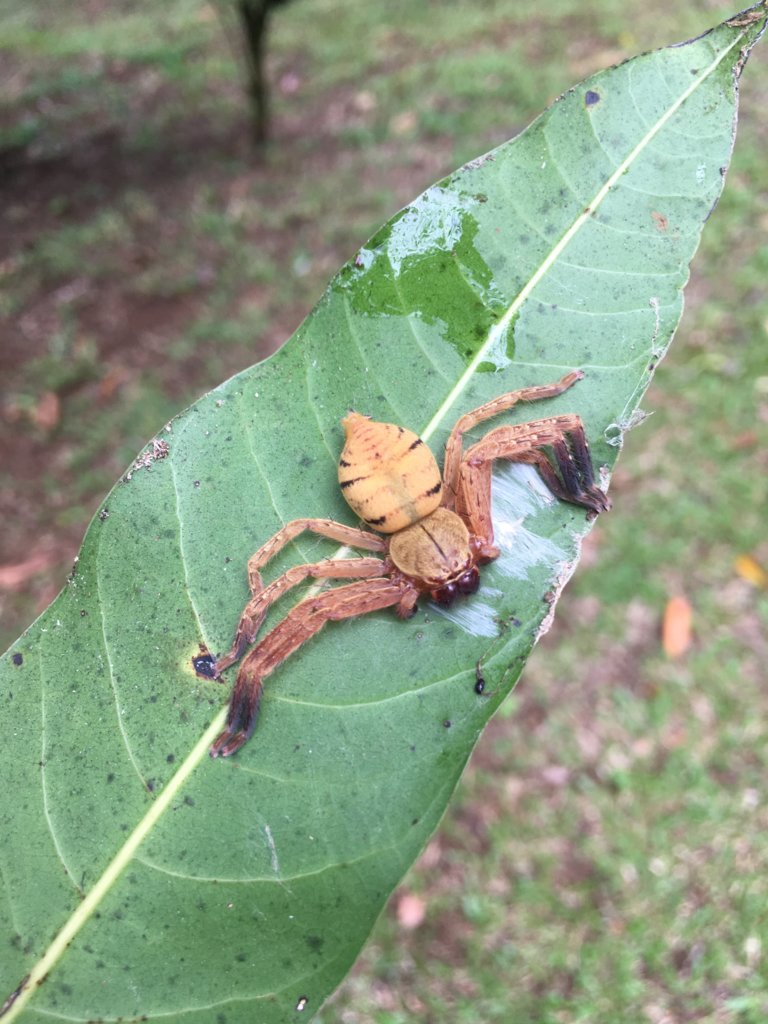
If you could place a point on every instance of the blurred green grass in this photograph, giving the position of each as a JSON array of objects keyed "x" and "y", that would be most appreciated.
[{"x": 605, "y": 858}]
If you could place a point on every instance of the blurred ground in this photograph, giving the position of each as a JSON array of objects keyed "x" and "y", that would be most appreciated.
[{"x": 605, "y": 858}]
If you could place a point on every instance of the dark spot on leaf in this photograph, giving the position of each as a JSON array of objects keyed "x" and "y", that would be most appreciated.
[
  {"x": 591, "y": 97},
  {"x": 171, "y": 758},
  {"x": 315, "y": 942},
  {"x": 204, "y": 665},
  {"x": 447, "y": 723},
  {"x": 111, "y": 777},
  {"x": 241, "y": 958},
  {"x": 83, "y": 613},
  {"x": 17, "y": 659},
  {"x": 151, "y": 785},
  {"x": 189, "y": 801},
  {"x": 661, "y": 222}
]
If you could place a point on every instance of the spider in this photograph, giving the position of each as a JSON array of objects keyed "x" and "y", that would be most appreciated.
[{"x": 433, "y": 532}]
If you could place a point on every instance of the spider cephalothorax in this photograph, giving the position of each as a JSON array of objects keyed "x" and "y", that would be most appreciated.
[{"x": 437, "y": 530}]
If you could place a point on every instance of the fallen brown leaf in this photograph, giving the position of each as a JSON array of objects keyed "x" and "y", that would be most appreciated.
[
  {"x": 750, "y": 570},
  {"x": 676, "y": 629},
  {"x": 13, "y": 577}
]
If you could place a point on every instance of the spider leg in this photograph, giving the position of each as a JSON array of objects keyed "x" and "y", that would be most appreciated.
[
  {"x": 248, "y": 625},
  {"x": 326, "y": 528},
  {"x": 256, "y": 609},
  {"x": 473, "y": 504},
  {"x": 524, "y": 443},
  {"x": 301, "y": 623},
  {"x": 453, "y": 448}
]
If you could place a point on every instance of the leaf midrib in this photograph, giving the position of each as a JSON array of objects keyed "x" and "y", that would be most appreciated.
[{"x": 497, "y": 331}]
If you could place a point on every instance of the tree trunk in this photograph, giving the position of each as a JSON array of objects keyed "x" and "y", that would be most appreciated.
[{"x": 254, "y": 15}]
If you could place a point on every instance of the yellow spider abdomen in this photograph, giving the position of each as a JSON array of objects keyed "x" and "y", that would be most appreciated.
[{"x": 387, "y": 475}]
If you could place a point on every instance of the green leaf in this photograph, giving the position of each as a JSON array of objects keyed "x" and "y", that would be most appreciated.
[{"x": 141, "y": 879}]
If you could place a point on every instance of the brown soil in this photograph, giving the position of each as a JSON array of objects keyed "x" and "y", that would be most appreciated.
[{"x": 123, "y": 335}]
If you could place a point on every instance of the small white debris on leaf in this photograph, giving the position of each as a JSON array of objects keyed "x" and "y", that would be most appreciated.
[
  {"x": 157, "y": 450},
  {"x": 565, "y": 571}
]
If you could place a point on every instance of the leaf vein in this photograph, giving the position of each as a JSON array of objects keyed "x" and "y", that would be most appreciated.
[
  {"x": 184, "y": 559},
  {"x": 44, "y": 786},
  {"x": 113, "y": 682},
  {"x": 411, "y": 321}
]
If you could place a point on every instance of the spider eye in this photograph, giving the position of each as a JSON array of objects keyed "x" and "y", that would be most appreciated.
[
  {"x": 445, "y": 595},
  {"x": 469, "y": 582}
]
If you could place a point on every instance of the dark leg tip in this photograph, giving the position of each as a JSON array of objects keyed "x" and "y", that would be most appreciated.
[
  {"x": 592, "y": 499},
  {"x": 597, "y": 500},
  {"x": 228, "y": 743}
]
